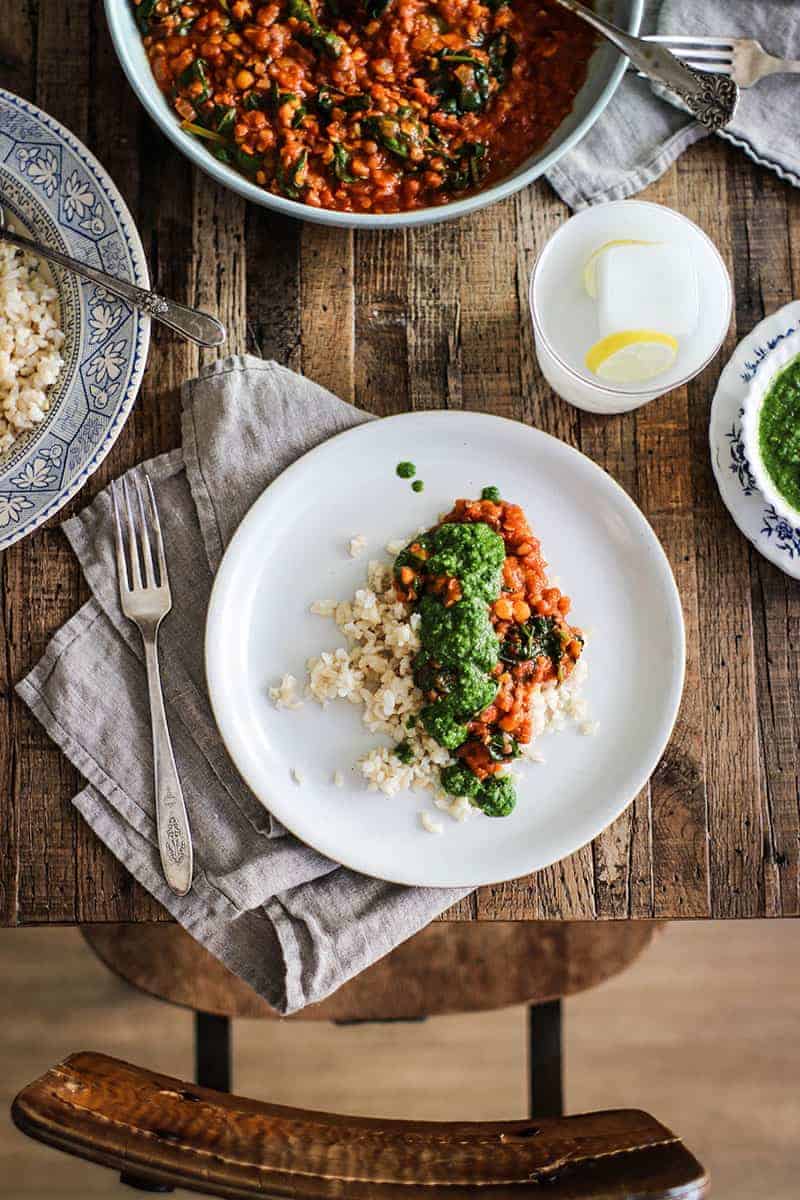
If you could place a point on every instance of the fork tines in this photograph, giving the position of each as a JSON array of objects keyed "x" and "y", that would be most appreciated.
[
  {"x": 134, "y": 543},
  {"x": 712, "y": 53}
]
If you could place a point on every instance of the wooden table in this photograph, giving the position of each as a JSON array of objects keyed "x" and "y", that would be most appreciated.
[{"x": 426, "y": 319}]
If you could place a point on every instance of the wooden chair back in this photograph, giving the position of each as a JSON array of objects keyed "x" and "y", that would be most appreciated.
[{"x": 177, "y": 1134}]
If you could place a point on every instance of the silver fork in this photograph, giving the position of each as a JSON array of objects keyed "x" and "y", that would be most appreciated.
[
  {"x": 744, "y": 59},
  {"x": 190, "y": 323},
  {"x": 710, "y": 98},
  {"x": 146, "y": 599}
]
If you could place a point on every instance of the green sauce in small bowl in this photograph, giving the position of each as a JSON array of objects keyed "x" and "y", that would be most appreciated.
[{"x": 779, "y": 432}]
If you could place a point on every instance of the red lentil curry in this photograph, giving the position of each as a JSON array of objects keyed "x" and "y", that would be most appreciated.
[{"x": 368, "y": 106}]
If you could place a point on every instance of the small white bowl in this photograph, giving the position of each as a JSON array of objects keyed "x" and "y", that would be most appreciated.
[
  {"x": 783, "y": 354},
  {"x": 563, "y": 313}
]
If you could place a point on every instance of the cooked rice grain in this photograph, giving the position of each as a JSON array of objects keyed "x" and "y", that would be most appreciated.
[{"x": 30, "y": 344}]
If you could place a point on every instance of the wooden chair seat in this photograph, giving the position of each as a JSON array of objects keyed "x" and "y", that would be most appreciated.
[
  {"x": 447, "y": 968},
  {"x": 172, "y": 1133}
]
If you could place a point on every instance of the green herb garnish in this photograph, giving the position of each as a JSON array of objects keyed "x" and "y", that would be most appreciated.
[
  {"x": 325, "y": 41},
  {"x": 196, "y": 73},
  {"x": 404, "y": 752},
  {"x": 398, "y": 133},
  {"x": 143, "y": 14},
  {"x": 502, "y": 747},
  {"x": 341, "y": 164},
  {"x": 502, "y": 51},
  {"x": 288, "y": 181},
  {"x": 497, "y": 797},
  {"x": 468, "y": 167},
  {"x": 461, "y": 81},
  {"x": 538, "y": 637}
]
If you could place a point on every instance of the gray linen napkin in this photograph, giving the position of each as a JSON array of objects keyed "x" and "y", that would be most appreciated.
[
  {"x": 639, "y": 136},
  {"x": 291, "y": 923}
]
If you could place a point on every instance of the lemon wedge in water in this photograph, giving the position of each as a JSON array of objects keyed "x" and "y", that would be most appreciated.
[
  {"x": 590, "y": 270},
  {"x": 633, "y": 356}
]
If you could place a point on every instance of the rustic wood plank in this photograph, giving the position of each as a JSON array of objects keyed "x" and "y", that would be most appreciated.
[
  {"x": 218, "y": 270},
  {"x": 327, "y": 308},
  {"x": 380, "y": 279},
  {"x": 18, "y": 59},
  {"x": 486, "y": 267},
  {"x": 433, "y": 329},
  {"x": 727, "y": 676},
  {"x": 677, "y": 788},
  {"x": 41, "y": 577},
  {"x": 18, "y": 36},
  {"x": 273, "y": 286},
  {"x": 539, "y": 214},
  {"x": 40, "y": 595}
]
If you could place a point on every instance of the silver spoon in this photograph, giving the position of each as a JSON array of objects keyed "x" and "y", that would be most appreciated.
[
  {"x": 196, "y": 326},
  {"x": 710, "y": 98}
]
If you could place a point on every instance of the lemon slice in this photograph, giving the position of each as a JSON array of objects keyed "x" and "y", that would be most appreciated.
[
  {"x": 590, "y": 270},
  {"x": 633, "y": 356}
]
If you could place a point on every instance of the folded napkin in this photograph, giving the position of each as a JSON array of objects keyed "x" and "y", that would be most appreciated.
[
  {"x": 639, "y": 136},
  {"x": 291, "y": 923}
]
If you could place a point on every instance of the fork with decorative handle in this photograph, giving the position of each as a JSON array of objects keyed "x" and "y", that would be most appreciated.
[
  {"x": 744, "y": 59},
  {"x": 146, "y": 599},
  {"x": 197, "y": 326},
  {"x": 710, "y": 98}
]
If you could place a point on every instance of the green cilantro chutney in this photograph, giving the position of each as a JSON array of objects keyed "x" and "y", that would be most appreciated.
[
  {"x": 459, "y": 648},
  {"x": 406, "y": 470},
  {"x": 779, "y": 433}
]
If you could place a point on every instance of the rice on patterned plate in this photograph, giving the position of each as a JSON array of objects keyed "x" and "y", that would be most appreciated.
[{"x": 30, "y": 344}]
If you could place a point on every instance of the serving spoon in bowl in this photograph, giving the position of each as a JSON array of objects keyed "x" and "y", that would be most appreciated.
[
  {"x": 197, "y": 326},
  {"x": 709, "y": 97}
]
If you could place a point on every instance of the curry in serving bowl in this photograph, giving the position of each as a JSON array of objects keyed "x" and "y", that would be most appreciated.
[{"x": 368, "y": 106}]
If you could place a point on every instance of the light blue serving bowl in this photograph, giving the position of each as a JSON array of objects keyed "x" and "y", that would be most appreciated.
[{"x": 605, "y": 74}]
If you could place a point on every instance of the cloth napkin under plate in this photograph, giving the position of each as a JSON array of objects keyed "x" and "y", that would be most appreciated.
[
  {"x": 639, "y": 136},
  {"x": 291, "y": 923}
]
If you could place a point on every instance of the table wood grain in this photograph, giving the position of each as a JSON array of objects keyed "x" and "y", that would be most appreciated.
[{"x": 435, "y": 318}]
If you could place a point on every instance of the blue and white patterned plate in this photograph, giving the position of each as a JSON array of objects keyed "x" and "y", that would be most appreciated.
[
  {"x": 52, "y": 187},
  {"x": 771, "y": 535}
]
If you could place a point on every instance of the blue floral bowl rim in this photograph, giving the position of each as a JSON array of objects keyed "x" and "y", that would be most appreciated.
[{"x": 141, "y": 276}]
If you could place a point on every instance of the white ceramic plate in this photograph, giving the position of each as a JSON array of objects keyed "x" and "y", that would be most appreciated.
[
  {"x": 771, "y": 534},
  {"x": 292, "y": 549}
]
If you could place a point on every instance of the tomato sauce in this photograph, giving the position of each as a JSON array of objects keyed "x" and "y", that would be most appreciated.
[{"x": 368, "y": 106}]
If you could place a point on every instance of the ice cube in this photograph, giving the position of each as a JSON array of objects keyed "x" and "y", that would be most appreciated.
[{"x": 647, "y": 287}]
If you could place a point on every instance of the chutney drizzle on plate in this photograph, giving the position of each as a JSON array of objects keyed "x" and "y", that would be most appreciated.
[
  {"x": 368, "y": 106},
  {"x": 492, "y": 631}
]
